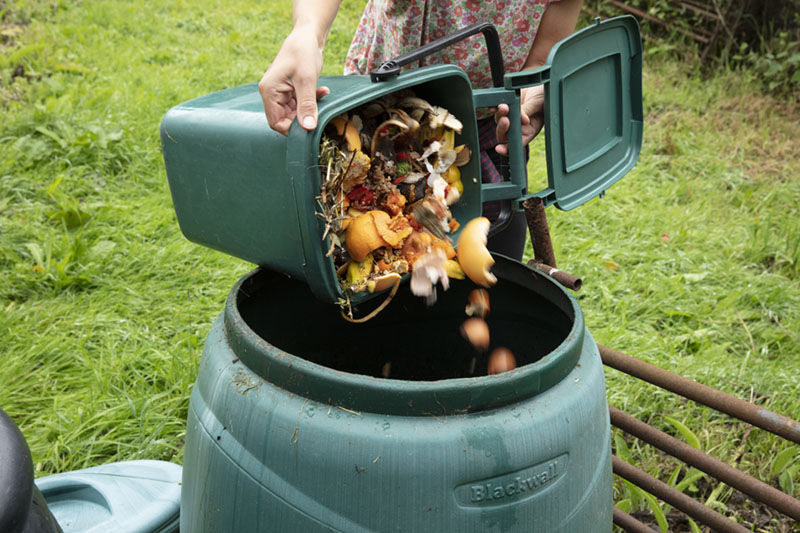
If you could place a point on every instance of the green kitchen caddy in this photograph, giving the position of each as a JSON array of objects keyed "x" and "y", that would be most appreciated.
[{"x": 239, "y": 187}]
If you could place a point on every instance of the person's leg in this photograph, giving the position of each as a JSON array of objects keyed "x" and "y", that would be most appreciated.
[{"x": 511, "y": 241}]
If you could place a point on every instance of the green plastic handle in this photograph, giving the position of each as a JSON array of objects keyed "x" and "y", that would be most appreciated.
[
  {"x": 509, "y": 94},
  {"x": 526, "y": 78},
  {"x": 514, "y": 189}
]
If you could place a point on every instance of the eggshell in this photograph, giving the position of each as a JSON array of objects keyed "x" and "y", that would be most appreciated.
[
  {"x": 501, "y": 360},
  {"x": 476, "y": 331},
  {"x": 478, "y": 303}
]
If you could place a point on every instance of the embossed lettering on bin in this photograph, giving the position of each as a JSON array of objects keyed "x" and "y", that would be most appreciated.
[{"x": 514, "y": 486}]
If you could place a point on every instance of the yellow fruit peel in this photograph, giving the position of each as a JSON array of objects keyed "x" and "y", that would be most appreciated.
[{"x": 473, "y": 256}]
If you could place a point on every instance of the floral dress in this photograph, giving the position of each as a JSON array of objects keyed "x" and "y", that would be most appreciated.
[{"x": 390, "y": 28}]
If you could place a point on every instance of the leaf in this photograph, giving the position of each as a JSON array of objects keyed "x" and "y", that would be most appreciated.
[
  {"x": 674, "y": 476},
  {"x": 102, "y": 248},
  {"x": 658, "y": 512},
  {"x": 71, "y": 217},
  {"x": 51, "y": 189},
  {"x": 32, "y": 148},
  {"x": 20, "y": 53},
  {"x": 49, "y": 133},
  {"x": 786, "y": 482},
  {"x": 36, "y": 253},
  {"x": 782, "y": 459},
  {"x": 636, "y": 494},
  {"x": 690, "y": 437},
  {"x": 678, "y": 312},
  {"x": 692, "y": 476},
  {"x": 624, "y": 505},
  {"x": 692, "y": 525},
  {"x": 72, "y": 68},
  {"x": 622, "y": 450}
]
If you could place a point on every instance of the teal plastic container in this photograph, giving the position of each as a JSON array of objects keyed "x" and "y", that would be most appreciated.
[
  {"x": 126, "y": 497},
  {"x": 292, "y": 428}
]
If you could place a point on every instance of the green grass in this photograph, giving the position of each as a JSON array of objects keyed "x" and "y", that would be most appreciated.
[{"x": 691, "y": 262}]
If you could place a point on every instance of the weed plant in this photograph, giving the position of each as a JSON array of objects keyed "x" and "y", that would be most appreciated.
[{"x": 691, "y": 262}]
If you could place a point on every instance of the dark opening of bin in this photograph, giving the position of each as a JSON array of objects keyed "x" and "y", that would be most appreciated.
[{"x": 422, "y": 343}]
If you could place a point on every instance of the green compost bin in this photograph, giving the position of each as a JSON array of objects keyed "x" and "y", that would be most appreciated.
[
  {"x": 293, "y": 425},
  {"x": 241, "y": 188},
  {"x": 293, "y": 428}
]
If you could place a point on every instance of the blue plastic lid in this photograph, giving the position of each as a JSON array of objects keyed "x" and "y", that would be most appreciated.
[
  {"x": 593, "y": 109},
  {"x": 126, "y": 497}
]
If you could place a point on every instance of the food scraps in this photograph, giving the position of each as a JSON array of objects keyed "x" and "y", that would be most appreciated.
[
  {"x": 390, "y": 172},
  {"x": 501, "y": 360},
  {"x": 476, "y": 331},
  {"x": 478, "y": 303},
  {"x": 473, "y": 256}
]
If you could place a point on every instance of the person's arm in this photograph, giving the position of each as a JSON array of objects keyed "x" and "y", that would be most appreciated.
[
  {"x": 558, "y": 22},
  {"x": 289, "y": 87}
]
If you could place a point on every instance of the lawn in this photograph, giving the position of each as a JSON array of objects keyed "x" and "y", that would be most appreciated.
[{"x": 691, "y": 262}]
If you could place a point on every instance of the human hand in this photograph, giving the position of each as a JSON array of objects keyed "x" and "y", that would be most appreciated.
[
  {"x": 289, "y": 87},
  {"x": 531, "y": 114}
]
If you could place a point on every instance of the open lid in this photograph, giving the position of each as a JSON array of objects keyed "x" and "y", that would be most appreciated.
[{"x": 593, "y": 109}]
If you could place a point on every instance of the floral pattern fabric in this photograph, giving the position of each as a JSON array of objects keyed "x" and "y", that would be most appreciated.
[{"x": 390, "y": 28}]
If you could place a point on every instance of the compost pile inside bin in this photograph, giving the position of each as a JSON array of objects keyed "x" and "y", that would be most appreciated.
[{"x": 390, "y": 172}]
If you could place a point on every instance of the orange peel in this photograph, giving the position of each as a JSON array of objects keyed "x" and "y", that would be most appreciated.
[
  {"x": 362, "y": 235},
  {"x": 338, "y": 123},
  {"x": 392, "y": 230},
  {"x": 384, "y": 282},
  {"x": 352, "y": 137},
  {"x": 444, "y": 246},
  {"x": 346, "y": 128}
]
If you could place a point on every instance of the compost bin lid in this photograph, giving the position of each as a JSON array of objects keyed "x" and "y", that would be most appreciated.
[{"x": 593, "y": 109}]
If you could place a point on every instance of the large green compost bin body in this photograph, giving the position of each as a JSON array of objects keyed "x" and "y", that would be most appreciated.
[{"x": 291, "y": 428}]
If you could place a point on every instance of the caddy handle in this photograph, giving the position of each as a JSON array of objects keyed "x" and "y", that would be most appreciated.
[
  {"x": 509, "y": 192},
  {"x": 390, "y": 69}
]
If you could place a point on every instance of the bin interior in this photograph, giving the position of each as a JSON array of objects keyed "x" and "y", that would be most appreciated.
[{"x": 422, "y": 343}]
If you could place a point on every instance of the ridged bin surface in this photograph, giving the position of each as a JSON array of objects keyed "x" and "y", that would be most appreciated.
[{"x": 277, "y": 442}]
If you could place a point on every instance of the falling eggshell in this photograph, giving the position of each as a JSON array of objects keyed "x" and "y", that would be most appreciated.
[
  {"x": 478, "y": 303},
  {"x": 416, "y": 245},
  {"x": 476, "y": 331},
  {"x": 473, "y": 256},
  {"x": 501, "y": 360}
]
